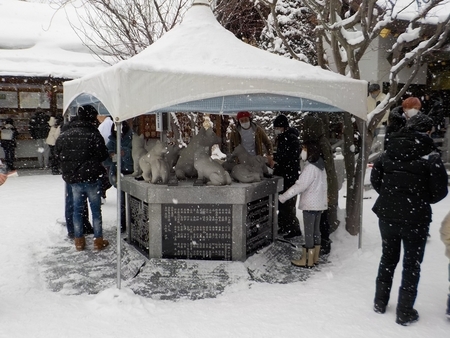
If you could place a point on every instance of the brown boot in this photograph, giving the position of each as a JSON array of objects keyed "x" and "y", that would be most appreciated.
[
  {"x": 100, "y": 243},
  {"x": 310, "y": 259},
  {"x": 80, "y": 243},
  {"x": 316, "y": 254},
  {"x": 307, "y": 259},
  {"x": 302, "y": 261}
]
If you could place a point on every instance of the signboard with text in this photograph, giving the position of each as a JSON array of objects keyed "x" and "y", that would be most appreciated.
[{"x": 202, "y": 231}]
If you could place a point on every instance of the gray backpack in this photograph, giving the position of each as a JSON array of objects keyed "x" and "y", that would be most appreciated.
[{"x": 7, "y": 134}]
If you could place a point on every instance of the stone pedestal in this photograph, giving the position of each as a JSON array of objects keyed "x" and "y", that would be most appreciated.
[{"x": 202, "y": 222}]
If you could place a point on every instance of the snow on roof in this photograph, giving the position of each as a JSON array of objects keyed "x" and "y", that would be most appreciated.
[
  {"x": 407, "y": 9},
  {"x": 37, "y": 40}
]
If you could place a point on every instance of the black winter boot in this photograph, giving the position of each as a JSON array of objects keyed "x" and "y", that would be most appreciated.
[
  {"x": 325, "y": 247},
  {"x": 382, "y": 294},
  {"x": 405, "y": 313}
]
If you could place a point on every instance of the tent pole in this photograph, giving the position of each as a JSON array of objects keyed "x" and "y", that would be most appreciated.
[
  {"x": 363, "y": 172},
  {"x": 119, "y": 194}
]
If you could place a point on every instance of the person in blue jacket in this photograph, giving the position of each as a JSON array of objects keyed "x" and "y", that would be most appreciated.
[{"x": 126, "y": 161}]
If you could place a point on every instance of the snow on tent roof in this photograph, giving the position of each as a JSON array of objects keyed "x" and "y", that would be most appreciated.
[
  {"x": 200, "y": 66},
  {"x": 36, "y": 40}
]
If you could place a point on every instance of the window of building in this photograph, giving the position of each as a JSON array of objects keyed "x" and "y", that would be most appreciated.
[{"x": 8, "y": 99}]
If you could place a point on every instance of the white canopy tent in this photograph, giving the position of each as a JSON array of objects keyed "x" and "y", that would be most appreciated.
[{"x": 200, "y": 66}]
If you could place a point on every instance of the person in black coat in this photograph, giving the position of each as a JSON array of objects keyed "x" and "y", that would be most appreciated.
[
  {"x": 81, "y": 150},
  {"x": 68, "y": 213},
  {"x": 400, "y": 115},
  {"x": 287, "y": 165},
  {"x": 9, "y": 134},
  {"x": 39, "y": 128},
  {"x": 408, "y": 176}
]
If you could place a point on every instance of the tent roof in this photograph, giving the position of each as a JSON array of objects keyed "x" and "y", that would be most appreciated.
[{"x": 200, "y": 66}]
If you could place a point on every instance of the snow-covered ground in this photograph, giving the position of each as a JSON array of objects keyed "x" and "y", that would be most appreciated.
[{"x": 335, "y": 301}]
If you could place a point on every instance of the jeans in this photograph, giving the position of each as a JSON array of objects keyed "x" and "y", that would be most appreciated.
[
  {"x": 311, "y": 220},
  {"x": 414, "y": 239},
  {"x": 87, "y": 191},
  {"x": 69, "y": 214}
]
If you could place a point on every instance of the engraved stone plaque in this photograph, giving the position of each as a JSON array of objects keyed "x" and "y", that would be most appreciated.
[
  {"x": 201, "y": 231},
  {"x": 258, "y": 225},
  {"x": 139, "y": 225}
]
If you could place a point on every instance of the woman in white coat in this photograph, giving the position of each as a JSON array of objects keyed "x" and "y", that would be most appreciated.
[{"x": 312, "y": 187}]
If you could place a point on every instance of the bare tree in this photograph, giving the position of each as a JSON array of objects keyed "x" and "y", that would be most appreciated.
[
  {"x": 349, "y": 28},
  {"x": 115, "y": 30}
]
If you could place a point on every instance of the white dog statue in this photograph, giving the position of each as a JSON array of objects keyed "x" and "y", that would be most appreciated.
[
  {"x": 154, "y": 165},
  {"x": 244, "y": 173},
  {"x": 256, "y": 163},
  {"x": 137, "y": 151},
  {"x": 209, "y": 169},
  {"x": 185, "y": 164}
]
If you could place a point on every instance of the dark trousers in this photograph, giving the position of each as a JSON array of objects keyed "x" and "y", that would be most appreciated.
[
  {"x": 287, "y": 217},
  {"x": 393, "y": 235},
  {"x": 54, "y": 160},
  {"x": 9, "y": 155}
]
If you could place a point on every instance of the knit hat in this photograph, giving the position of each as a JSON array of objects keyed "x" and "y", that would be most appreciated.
[
  {"x": 420, "y": 122},
  {"x": 374, "y": 87},
  {"x": 87, "y": 113},
  {"x": 242, "y": 114},
  {"x": 281, "y": 121},
  {"x": 411, "y": 102}
]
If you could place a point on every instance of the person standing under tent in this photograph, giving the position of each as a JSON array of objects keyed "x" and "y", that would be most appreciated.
[
  {"x": 287, "y": 165},
  {"x": 106, "y": 123},
  {"x": 82, "y": 150},
  {"x": 314, "y": 130},
  {"x": 252, "y": 137},
  {"x": 312, "y": 187},
  {"x": 408, "y": 176},
  {"x": 39, "y": 128},
  {"x": 68, "y": 212},
  {"x": 126, "y": 162}
]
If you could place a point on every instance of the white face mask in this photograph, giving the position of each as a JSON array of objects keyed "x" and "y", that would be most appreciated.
[
  {"x": 245, "y": 125},
  {"x": 411, "y": 112},
  {"x": 304, "y": 155},
  {"x": 278, "y": 132}
]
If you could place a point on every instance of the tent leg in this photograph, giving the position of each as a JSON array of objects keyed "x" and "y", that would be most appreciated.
[
  {"x": 119, "y": 195},
  {"x": 363, "y": 169}
]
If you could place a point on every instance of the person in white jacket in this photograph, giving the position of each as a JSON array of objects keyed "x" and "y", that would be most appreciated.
[
  {"x": 53, "y": 134},
  {"x": 445, "y": 236},
  {"x": 312, "y": 187}
]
